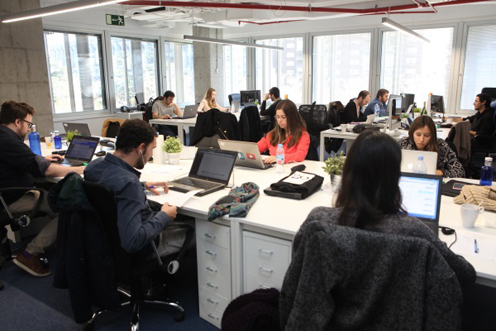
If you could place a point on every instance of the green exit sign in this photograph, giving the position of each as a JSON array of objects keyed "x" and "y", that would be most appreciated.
[{"x": 115, "y": 20}]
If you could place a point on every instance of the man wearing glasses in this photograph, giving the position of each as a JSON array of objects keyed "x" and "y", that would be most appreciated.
[{"x": 18, "y": 166}]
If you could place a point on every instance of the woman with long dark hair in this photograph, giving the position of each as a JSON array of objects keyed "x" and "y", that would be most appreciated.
[
  {"x": 422, "y": 136},
  {"x": 290, "y": 131}
]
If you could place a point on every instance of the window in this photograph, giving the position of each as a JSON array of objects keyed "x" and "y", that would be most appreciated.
[
  {"x": 234, "y": 69},
  {"x": 135, "y": 69},
  {"x": 480, "y": 63},
  {"x": 409, "y": 65},
  {"x": 75, "y": 68},
  {"x": 272, "y": 67},
  {"x": 341, "y": 66},
  {"x": 179, "y": 71}
]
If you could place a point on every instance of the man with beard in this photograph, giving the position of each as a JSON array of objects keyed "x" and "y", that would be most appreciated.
[
  {"x": 353, "y": 110},
  {"x": 18, "y": 166},
  {"x": 139, "y": 221}
]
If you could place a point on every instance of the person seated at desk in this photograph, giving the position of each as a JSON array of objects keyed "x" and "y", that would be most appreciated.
[
  {"x": 208, "y": 102},
  {"x": 290, "y": 131},
  {"x": 165, "y": 109},
  {"x": 422, "y": 136},
  {"x": 353, "y": 110},
  {"x": 138, "y": 221},
  {"x": 18, "y": 166},
  {"x": 482, "y": 122},
  {"x": 378, "y": 105},
  {"x": 275, "y": 96}
]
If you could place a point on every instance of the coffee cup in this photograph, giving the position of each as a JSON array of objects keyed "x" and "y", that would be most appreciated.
[
  {"x": 469, "y": 214},
  {"x": 344, "y": 127}
]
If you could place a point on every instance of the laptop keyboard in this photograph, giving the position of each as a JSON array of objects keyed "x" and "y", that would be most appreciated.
[{"x": 196, "y": 183}]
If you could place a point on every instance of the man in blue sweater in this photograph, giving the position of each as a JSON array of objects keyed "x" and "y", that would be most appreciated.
[{"x": 378, "y": 105}]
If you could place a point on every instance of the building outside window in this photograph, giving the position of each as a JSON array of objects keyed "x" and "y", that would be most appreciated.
[
  {"x": 234, "y": 69},
  {"x": 180, "y": 71}
]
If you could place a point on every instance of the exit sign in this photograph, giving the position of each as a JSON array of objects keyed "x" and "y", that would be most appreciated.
[{"x": 115, "y": 20}]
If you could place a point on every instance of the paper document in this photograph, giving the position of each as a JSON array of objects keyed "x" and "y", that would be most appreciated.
[
  {"x": 173, "y": 198},
  {"x": 475, "y": 246},
  {"x": 299, "y": 178}
]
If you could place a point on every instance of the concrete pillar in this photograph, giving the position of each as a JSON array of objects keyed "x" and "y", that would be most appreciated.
[
  {"x": 23, "y": 66},
  {"x": 209, "y": 65}
]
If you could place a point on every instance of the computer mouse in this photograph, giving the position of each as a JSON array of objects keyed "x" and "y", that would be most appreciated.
[
  {"x": 447, "y": 231},
  {"x": 100, "y": 153}
]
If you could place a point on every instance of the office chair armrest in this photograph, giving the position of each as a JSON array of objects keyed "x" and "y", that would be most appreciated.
[{"x": 13, "y": 221}]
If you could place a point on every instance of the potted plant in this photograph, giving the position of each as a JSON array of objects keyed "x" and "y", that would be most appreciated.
[
  {"x": 172, "y": 146},
  {"x": 334, "y": 167},
  {"x": 70, "y": 134}
]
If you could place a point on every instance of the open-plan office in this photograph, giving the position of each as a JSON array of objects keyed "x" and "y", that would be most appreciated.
[{"x": 76, "y": 67}]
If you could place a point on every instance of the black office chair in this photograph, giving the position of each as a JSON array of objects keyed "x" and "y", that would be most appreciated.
[
  {"x": 234, "y": 97},
  {"x": 250, "y": 126},
  {"x": 315, "y": 116},
  {"x": 129, "y": 269}
]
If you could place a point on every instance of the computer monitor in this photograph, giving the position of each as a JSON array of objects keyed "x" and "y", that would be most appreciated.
[
  {"x": 437, "y": 104},
  {"x": 393, "y": 102},
  {"x": 248, "y": 98},
  {"x": 407, "y": 99},
  {"x": 140, "y": 98}
]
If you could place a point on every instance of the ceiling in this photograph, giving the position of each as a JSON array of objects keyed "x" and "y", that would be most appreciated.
[{"x": 236, "y": 13}]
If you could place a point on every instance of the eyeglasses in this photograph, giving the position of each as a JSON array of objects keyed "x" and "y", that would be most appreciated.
[
  {"x": 30, "y": 125},
  {"x": 277, "y": 117}
]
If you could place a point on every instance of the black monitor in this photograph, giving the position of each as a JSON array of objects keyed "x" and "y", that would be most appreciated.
[
  {"x": 394, "y": 105},
  {"x": 248, "y": 98},
  {"x": 407, "y": 99},
  {"x": 437, "y": 104}
]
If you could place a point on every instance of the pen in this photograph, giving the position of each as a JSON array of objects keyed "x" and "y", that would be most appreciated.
[{"x": 476, "y": 249}]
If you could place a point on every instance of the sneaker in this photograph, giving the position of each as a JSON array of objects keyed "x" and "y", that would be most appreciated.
[{"x": 31, "y": 265}]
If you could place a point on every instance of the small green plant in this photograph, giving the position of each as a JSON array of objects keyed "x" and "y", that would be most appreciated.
[
  {"x": 334, "y": 164},
  {"x": 70, "y": 134},
  {"x": 172, "y": 145},
  {"x": 417, "y": 110}
]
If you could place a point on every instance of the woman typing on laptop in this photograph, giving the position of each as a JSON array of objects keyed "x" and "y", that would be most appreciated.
[
  {"x": 422, "y": 136},
  {"x": 290, "y": 131},
  {"x": 209, "y": 102}
]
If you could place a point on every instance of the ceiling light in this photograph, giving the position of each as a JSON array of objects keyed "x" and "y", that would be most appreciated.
[
  {"x": 393, "y": 25},
  {"x": 56, "y": 9},
  {"x": 230, "y": 42}
]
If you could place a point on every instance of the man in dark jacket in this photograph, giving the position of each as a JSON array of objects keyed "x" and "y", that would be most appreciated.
[
  {"x": 353, "y": 110},
  {"x": 275, "y": 96},
  {"x": 482, "y": 122}
]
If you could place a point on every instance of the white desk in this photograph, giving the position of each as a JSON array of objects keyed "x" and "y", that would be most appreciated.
[
  {"x": 180, "y": 123},
  {"x": 255, "y": 251}
]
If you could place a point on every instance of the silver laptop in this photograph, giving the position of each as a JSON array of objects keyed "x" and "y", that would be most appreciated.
[
  {"x": 409, "y": 158},
  {"x": 189, "y": 112},
  {"x": 210, "y": 172},
  {"x": 248, "y": 153},
  {"x": 370, "y": 119},
  {"x": 80, "y": 151},
  {"x": 82, "y": 128},
  {"x": 422, "y": 197}
]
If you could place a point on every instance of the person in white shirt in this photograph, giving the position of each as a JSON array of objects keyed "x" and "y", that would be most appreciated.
[
  {"x": 165, "y": 109},
  {"x": 208, "y": 102}
]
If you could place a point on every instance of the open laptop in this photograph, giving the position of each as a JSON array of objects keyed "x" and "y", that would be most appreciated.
[
  {"x": 189, "y": 112},
  {"x": 409, "y": 158},
  {"x": 421, "y": 195},
  {"x": 80, "y": 151},
  {"x": 82, "y": 128},
  {"x": 248, "y": 153},
  {"x": 210, "y": 172},
  {"x": 370, "y": 119}
]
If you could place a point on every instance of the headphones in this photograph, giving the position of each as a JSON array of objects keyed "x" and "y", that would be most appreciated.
[{"x": 125, "y": 109}]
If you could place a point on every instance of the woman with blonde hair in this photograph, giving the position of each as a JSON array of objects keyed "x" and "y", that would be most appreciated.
[{"x": 208, "y": 102}]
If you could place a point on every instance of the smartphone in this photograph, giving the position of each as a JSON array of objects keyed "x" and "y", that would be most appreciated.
[{"x": 458, "y": 186}]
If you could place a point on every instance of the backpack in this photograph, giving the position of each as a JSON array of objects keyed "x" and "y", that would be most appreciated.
[{"x": 147, "y": 116}]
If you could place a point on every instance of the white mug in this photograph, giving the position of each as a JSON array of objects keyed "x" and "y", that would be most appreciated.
[
  {"x": 469, "y": 214},
  {"x": 344, "y": 127}
]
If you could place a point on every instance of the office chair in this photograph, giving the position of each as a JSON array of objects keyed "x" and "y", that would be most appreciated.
[
  {"x": 111, "y": 127},
  {"x": 250, "y": 126},
  {"x": 233, "y": 96},
  {"x": 129, "y": 268},
  {"x": 315, "y": 116}
]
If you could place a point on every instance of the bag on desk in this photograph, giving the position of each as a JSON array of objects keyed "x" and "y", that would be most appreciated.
[
  {"x": 365, "y": 127},
  {"x": 298, "y": 185}
]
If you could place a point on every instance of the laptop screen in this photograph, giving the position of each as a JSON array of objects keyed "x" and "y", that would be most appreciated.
[
  {"x": 421, "y": 195},
  {"x": 213, "y": 164},
  {"x": 82, "y": 148}
]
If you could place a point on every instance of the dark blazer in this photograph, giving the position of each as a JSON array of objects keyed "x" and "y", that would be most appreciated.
[
  {"x": 213, "y": 122},
  {"x": 250, "y": 128},
  {"x": 350, "y": 114}
]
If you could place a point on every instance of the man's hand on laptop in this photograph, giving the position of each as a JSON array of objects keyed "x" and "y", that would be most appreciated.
[
  {"x": 155, "y": 186},
  {"x": 171, "y": 211},
  {"x": 53, "y": 158}
]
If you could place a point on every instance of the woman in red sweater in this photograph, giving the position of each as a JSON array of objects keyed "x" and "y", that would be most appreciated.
[{"x": 290, "y": 130}]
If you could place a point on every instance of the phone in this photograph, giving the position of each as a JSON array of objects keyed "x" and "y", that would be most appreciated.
[{"x": 458, "y": 186}]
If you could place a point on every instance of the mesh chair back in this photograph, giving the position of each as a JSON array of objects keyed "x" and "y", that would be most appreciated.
[{"x": 315, "y": 117}]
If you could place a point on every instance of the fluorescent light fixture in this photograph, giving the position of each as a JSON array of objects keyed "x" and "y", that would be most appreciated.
[
  {"x": 56, "y": 9},
  {"x": 230, "y": 42},
  {"x": 393, "y": 25}
]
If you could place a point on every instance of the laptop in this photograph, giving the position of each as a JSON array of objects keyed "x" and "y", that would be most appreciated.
[
  {"x": 189, "y": 112},
  {"x": 409, "y": 158},
  {"x": 82, "y": 128},
  {"x": 248, "y": 153},
  {"x": 80, "y": 151},
  {"x": 370, "y": 119},
  {"x": 421, "y": 195},
  {"x": 210, "y": 172}
]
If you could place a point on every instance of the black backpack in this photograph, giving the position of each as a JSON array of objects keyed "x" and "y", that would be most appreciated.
[{"x": 147, "y": 116}]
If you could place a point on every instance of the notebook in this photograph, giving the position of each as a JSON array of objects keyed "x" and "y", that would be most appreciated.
[
  {"x": 82, "y": 128},
  {"x": 248, "y": 153},
  {"x": 210, "y": 172},
  {"x": 421, "y": 195},
  {"x": 80, "y": 151},
  {"x": 189, "y": 112},
  {"x": 409, "y": 158}
]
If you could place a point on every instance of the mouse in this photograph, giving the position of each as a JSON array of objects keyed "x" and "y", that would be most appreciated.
[
  {"x": 100, "y": 153},
  {"x": 447, "y": 231}
]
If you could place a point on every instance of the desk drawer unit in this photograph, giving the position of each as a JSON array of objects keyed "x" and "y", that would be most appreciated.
[
  {"x": 265, "y": 261},
  {"x": 213, "y": 249}
]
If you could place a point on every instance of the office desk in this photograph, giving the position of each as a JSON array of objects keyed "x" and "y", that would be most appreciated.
[
  {"x": 180, "y": 123},
  {"x": 239, "y": 255}
]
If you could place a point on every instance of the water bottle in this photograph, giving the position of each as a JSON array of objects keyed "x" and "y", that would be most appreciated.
[
  {"x": 487, "y": 172},
  {"x": 34, "y": 141},
  {"x": 280, "y": 159},
  {"x": 420, "y": 167},
  {"x": 57, "y": 140}
]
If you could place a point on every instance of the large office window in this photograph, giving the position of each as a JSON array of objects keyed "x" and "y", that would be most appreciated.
[
  {"x": 480, "y": 63},
  {"x": 282, "y": 69},
  {"x": 75, "y": 68},
  {"x": 135, "y": 69},
  {"x": 179, "y": 71},
  {"x": 341, "y": 67},
  {"x": 409, "y": 65},
  {"x": 234, "y": 69}
]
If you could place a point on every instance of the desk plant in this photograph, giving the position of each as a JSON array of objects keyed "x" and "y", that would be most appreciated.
[
  {"x": 70, "y": 134},
  {"x": 172, "y": 146},
  {"x": 334, "y": 167}
]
